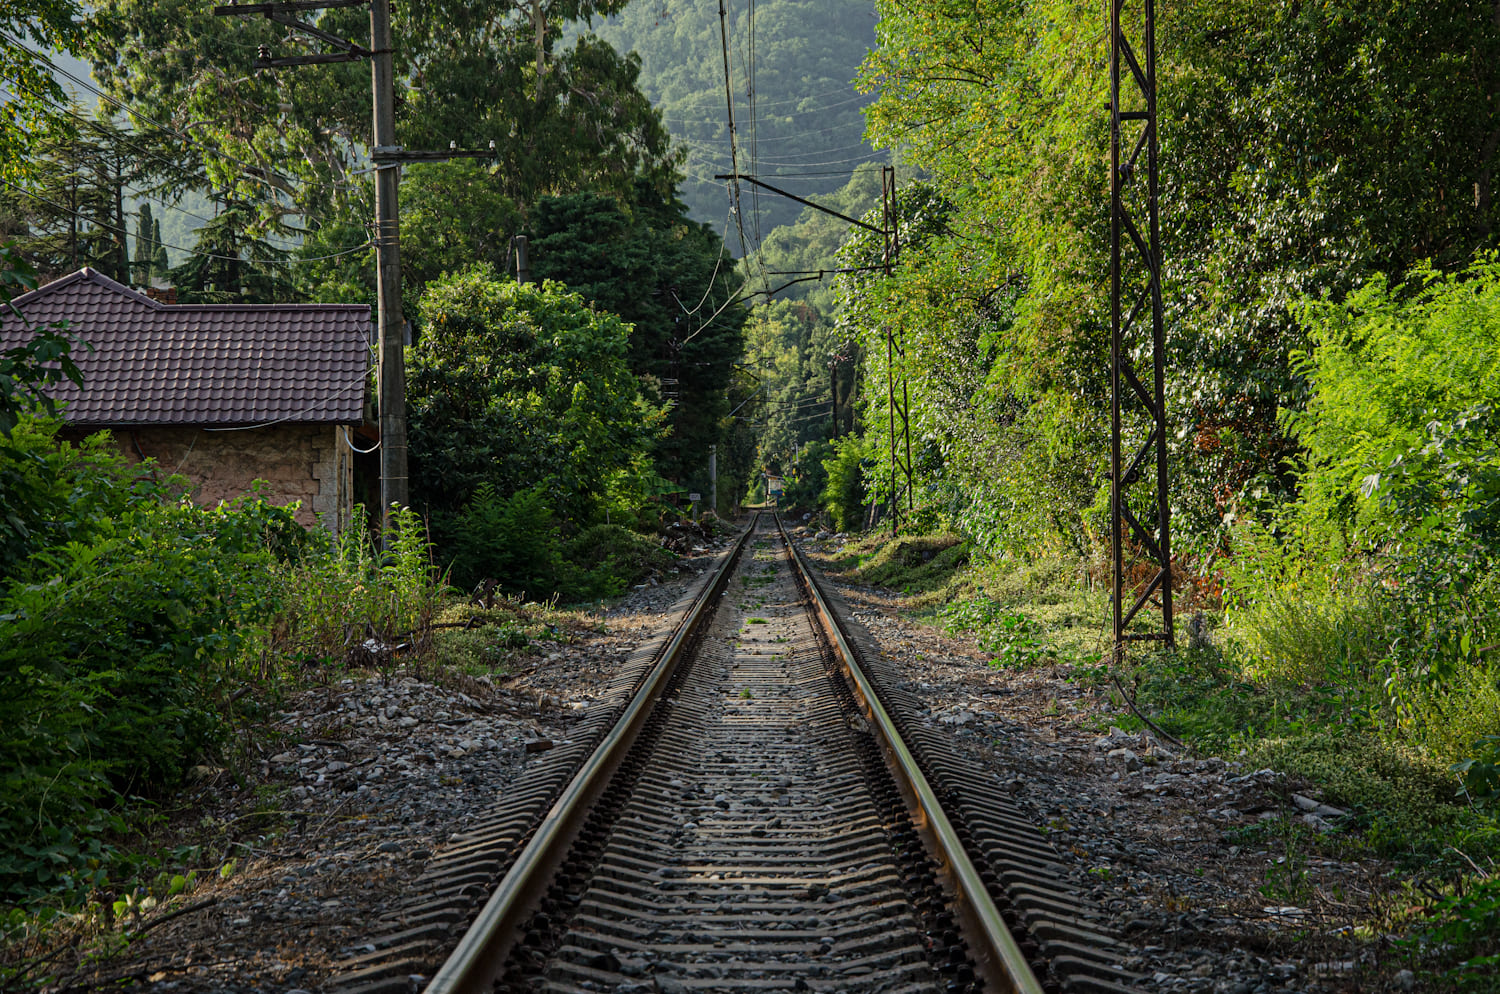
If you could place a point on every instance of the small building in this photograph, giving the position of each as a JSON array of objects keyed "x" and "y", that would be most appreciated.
[{"x": 223, "y": 394}]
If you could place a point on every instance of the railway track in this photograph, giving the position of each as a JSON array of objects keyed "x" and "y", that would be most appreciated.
[{"x": 755, "y": 805}]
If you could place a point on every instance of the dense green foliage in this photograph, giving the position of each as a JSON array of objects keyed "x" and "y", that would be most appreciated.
[
  {"x": 522, "y": 386},
  {"x": 1301, "y": 154},
  {"x": 131, "y": 620},
  {"x": 1389, "y": 372},
  {"x": 1328, "y": 223},
  {"x": 34, "y": 95},
  {"x": 670, "y": 279},
  {"x": 27, "y": 369},
  {"x": 527, "y": 427}
]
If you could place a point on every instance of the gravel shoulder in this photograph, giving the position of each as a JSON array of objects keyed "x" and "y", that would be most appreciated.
[
  {"x": 361, "y": 781},
  {"x": 356, "y": 785},
  {"x": 1156, "y": 836}
]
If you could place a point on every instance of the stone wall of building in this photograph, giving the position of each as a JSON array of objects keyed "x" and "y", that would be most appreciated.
[{"x": 311, "y": 464}]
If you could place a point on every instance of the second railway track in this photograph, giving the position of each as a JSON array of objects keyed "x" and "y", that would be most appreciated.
[{"x": 758, "y": 820}]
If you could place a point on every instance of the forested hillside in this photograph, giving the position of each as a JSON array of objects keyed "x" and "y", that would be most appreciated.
[{"x": 799, "y": 120}]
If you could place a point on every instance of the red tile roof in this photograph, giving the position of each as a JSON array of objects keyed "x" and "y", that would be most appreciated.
[{"x": 200, "y": 364}]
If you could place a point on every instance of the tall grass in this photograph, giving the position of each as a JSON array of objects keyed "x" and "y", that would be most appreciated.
[{"x": 346, "y": 604}]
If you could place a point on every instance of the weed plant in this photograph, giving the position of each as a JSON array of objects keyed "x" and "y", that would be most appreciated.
[
  {"x": 1458, "y": 949},
  {"x": 130, "y": 640},
  {"x": 345, "y": 604}
]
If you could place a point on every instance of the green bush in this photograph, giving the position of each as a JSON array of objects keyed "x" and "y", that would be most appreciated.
[
  {"x": 513, "y": 540},
  {"x": 605, "y": 559},
  {"x": 1459, "y": 946},
  {"x": 56, "y": 492},
  {"x": 521, "y": 386},
  {"x": 113, "y": 655},
  {"x": 516, "y": 541},
  {"x": 1316, "y": 628},
  {"x": 1386, "y": 363},
  {"x": 844, "y": 494}
]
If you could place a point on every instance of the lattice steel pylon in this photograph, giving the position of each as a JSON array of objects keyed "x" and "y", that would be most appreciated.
[
  {"x": 1135, "y": 278},
  {"x": 899, "y": 409}
]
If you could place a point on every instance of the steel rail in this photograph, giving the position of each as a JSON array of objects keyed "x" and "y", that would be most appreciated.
[
  {"x": 476, "y": 962},
  {"x": 998, "y": 957}
]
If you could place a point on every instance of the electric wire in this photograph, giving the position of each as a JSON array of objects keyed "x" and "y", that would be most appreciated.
[
  {"x": 794, "y": 100},
  {"x": 739, "y": 221},
  {"x": 297, "y": 260},
  {"x": 158, "y": 156},
  {"x": 714, "y": 140},
  {"x": 248, "y": 171},
  {"x": 718, "y": 260},
  {"x": 348, "y": 441},
  {"x": 694, "y": 143},
  {"x": 868, "y": 157},
  {"x": 360, "y": 383}
]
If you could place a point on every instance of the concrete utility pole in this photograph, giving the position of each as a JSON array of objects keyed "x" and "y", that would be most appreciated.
[
  {"x": 713, "y": 478},
  {"x": 392, "y": 375}
]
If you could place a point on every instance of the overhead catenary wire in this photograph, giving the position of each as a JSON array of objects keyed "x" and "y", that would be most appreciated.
[
  {"x": 836, "y": 91},
  {"x": 712, "y": 139},
  {"x": 249, "y": 171},
  {"x": 718, "y": 261},
  {"x": 298, "y": 260},
  {"x": 701, "y": 146},
  {"x": 734, "y": 188}
]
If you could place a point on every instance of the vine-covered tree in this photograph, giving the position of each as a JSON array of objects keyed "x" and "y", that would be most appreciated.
[{"x": 1301, "y": 153}]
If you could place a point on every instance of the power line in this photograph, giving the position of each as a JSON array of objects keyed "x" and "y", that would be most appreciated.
[
  {"x": 734, "y": 194},
  {"x": 869, "y": 157},
  {"x": 795, "y": 100},
  {"x": 202, "y": 255},
  {"x": 147, "y": 151},
  {"x": 688, "y": 140},
  {"x": 248, "y": 171},
  {"x": 695, "y": 143},
  {"x": 137, "y": 194},
  {"x": 718, "y": 260}
]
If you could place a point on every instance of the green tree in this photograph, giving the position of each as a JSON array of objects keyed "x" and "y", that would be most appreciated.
[
  {"x": 671, "y": 280},
  {"x": 1302, "y": 149},
  {"x": 798, "y": 118},
  {"x": 35, "y": 101},
  {"x": 232, "y": 262},
  {"x": 521, "y": 387},
  {"x": 292, "y": 142},
  {"x": 72, "y": 204},
  {"x": 453, "y": 215},
  {"x": 150, "y": 259}
]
